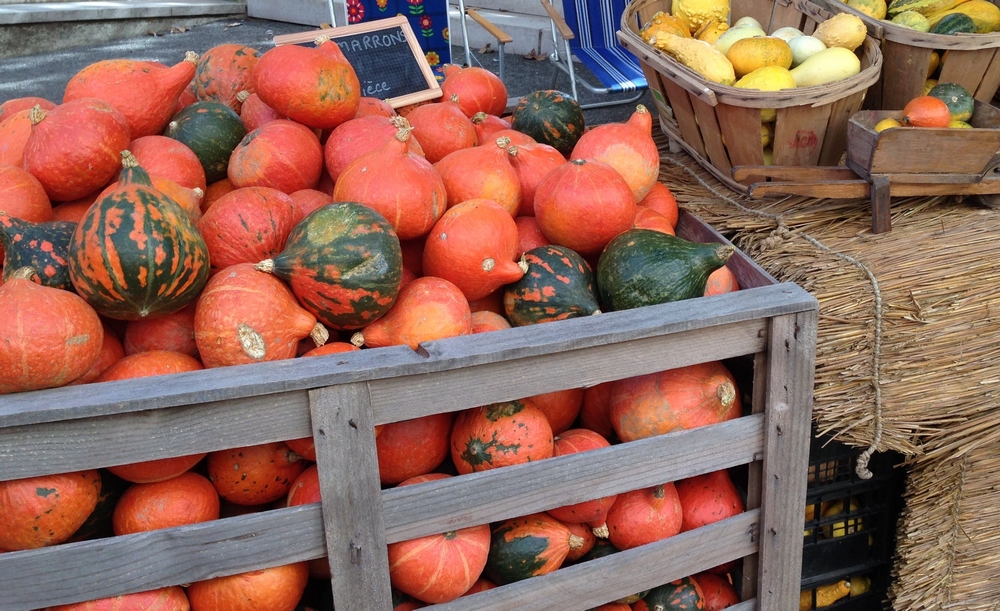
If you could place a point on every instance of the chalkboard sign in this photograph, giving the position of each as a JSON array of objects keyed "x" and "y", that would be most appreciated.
[{"x": 385, "y": 55}]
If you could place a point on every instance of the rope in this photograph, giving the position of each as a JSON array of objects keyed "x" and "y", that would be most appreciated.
[{"x": 782, "y": 233}]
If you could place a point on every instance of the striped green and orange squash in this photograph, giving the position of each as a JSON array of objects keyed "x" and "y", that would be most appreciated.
[
  {"x": 681, "y": 595},
  {"x": 344, "y": 264},
  {"x": 558, "y": 284},
  {"x": 136, "y": 253},
  {"x": 44, "y": 247},
  {"x": 212, "y": 130},
  {"x": 529, "y": 546},
  {"x": 550, "y": 117}
]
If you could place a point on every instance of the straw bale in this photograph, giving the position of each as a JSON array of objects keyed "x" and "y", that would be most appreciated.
[{"x": 908, "y": 359}]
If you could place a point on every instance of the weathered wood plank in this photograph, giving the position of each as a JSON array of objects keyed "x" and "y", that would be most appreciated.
[
  {"x": 132, "y": 563},
  {"x": 748, "y": 273},
  {"x": 747, "y": 587},
  {"x": 575, "y": 587},
  {"x": 788, "y": 409},
  {"x": 352, "y": 507},
  {"x": 407, "y": 397},
  {"x": 491, "y": 496}
]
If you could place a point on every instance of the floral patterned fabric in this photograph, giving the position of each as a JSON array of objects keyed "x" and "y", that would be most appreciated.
[{"x": 428, "y": 18}]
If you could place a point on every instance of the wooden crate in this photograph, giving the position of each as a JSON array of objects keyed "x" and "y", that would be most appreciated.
[
  {"x": 339, "y": 398},
  {"x": 973, "y": 61},
  {"x": 720, "y": 125}
]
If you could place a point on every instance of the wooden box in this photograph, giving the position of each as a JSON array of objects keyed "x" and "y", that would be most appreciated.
[
  {"x": 720, "y": 126},
  {"x": 339, "y": 398},
  {"x": 973, "y": 61}
]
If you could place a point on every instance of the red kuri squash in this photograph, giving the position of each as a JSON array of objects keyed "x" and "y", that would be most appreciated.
[
  {"x": 223, "y": 71},
  {"x": 500, "y": 434},
  {"x": 275, "y": 589},
  {"x": 413, "y": 447},
  {"x": 46, "y": 510},
  {"x": 427, "y": 309},
  {"x": 642, "y": 516},
  {"x": 478, "y": 89},
  {"x": 247, "y": 225},
  {"x": 627, "y": 147},
  {"x": 481, "y": 172},
  {"x": 442, "y": 128},
  {"x": 254, "y": 475}
]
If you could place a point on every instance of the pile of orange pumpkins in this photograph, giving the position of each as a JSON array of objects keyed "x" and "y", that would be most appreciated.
[{"x": 131, "y": 252}]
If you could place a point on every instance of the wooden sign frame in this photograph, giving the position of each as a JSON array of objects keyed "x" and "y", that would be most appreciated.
[{"x": 433, "y": 89}]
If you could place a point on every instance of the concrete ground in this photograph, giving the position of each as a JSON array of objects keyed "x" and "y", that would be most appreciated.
[{"x": 46, "y": 74}]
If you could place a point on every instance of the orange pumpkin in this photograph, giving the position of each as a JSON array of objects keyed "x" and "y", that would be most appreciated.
[
  {"x": 171, "y": 598},
  {"x": 254, "y": 475},
  {"x": 439, "y": 568},
  {"x": 46, "y": 510},
  {"x": 173, "y": 332},
  {"x": 486, "y": 125},
  {"x": 561, "y": 407},
  {"x": 627, "y": 147},
  {"x": 474, "y": 246},
  {"x": 188, "y": 498},
  {"x": 247, "y": 225},
  {"x": 500, "y": 434},
  {"x": 426, "y": 309},
  {"x": 595, "y": 413},
  {"x": 354, "y": 138},
  {"x": 374, "y": 107},
  {"x": 245, "y": 316},
  {"x": 586, "y": 534},
  {"x": 532, "y": 163},
  {"x": 442, "y": 128},
  {"x": 169, "y": 158},
  {"x": 23, "y": 197},
  {"x": 647, "y": 218},
  {"x": 50, "y": 336},
  {"x": 214, "y": 192},
  {"x": 223, "y": 72},
  {"x": 14, "y": 132},
  {"x": 642, "y": 516},
  {"x": 589, "y": 190},
  {"x": 593, "y": 512},
  {"x": 254, "y": 112},
  {"x": 484, "y": 321},
  {"x": 274, "y": 589},
  {"x": 413, "y": 447},
  {"x": 16, "y": 105},
  {"x": 156, "y": 470},
  {"x": 708, "y": 498},
  {"x": 926, "y": 111},
  {"x": 280, "y": 154},
  {"x": 662, "y": 200},
  {"x": 676, "y": 399},
  {"x": 481, "y": 172},
  {"x": 153, "y": 363},
  {"x": 111, "y": 352},
  {"x": 477, "y": 89},
  {"x": 719, "y": 593},
  {"x": 529, "y": 234},
  {"x": 146, "y": 93},
  {"x": 721, "y": 281},
  {"x": 397, "y": 183},
  {"x": 306, "y": 200}
]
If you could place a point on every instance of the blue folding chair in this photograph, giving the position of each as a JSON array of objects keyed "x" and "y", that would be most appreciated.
[{"x": 587, "y": 29}]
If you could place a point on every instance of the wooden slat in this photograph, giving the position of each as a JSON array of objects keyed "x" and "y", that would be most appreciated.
[
  {"x": 739, "y": 124},
  {"x": 966, "y": 67},
  {"x": 799, "y": 133},
  {"x": 830, "y": 189},
  {"x": 748, "y": 273},
  {"x": 407, "y": 397},
  {"x": 902, "y": 79},
  {"x": 942, "y": 151},
  {"x": 788, "y": 409},
  {"x": 575, "y": 587},
  {"x": 991, "y": 80},
  {"x": 352, "y": 508},
  {"x": 802, "y": 174},
  {"x": 486, "y": 24},
  {"x": 711, "y": 135},
  {"x": 500, "y": 494},
  {"x": 560, "y": 23},
  {"x": 680, "y": 102},
  {"x": 132, "y": 563},
  {"x": 881, "y": 219},
  {"x": 747, "y": 587},
  {"x": 835, "y": 141}
]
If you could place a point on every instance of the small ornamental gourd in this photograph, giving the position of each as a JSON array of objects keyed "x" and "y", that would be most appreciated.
[
  {"x": 146, "y": 93},
  {"x": 481, "y": 172},
  {"x": 439, "y": 568},
  {"x": 500, "y": 434},
  {"x": 315, "y": 86},
  {"x": 627, "y": 147},
  {"x": 211, "y": 130},
  {"x": 558, "y": 284},
  {"x": 343, "y": 263},
  {"x": 136, "y": 253},
  {"x": 682, "y": 595},
  {"x": 44, "y": 247},
  {"x": 73, "y": 149},
  {"x": 529, "y": 546},
  {"x": 50, "y": 336}
]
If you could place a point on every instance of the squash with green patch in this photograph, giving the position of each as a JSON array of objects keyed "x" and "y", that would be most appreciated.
[
  {"x": 558, "y": 285},
  {"x": 954, "y": 23},
  {"x": 44, "y": 247},
  {"x": 550, "y": 117},
  {"x": 212, "y": 130},
  {"x": 642, "y": 267},
  {"x": 529, "y": 546},
  {"x": 681, "y": 595},
  {"x": 960, "y": 102}
]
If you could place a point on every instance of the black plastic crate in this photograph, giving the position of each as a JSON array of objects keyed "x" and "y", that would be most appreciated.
[{"x": 850, "y": 525}]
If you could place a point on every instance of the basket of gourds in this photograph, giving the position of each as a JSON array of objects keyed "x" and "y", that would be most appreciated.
[
  {"x": 925, "y": 42},
  {"x": 752, "y": 82}
]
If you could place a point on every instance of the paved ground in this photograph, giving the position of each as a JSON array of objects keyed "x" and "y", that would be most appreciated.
[{"x": 45, "y": 75}]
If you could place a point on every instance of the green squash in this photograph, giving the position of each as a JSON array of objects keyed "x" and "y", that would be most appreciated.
[
  {"x": 557, "y": 285},
  {"x": 960, "y": 102},
  {"x": 212, "y": 130},
  {"x": 525, "y": 547},
  {"x": 641, "y": 267},
  {"x": 681, "y": 595},
  {"x": 550, "y": 117},
  {"x": 344, "y": 264},
  {"x": 44, "y": 247},
  {"x": 955, "y": 23}
]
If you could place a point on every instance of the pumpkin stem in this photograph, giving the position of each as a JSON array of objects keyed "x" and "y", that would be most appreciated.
[
  {"x": 321, "y": 39},
  {"x": 403, "y": 128},
  {"x": 242, "y": 96},
  {"x": 251, "y": 342},
  {"x": 319, "y": 335},
  {"x": 725, "y": 251},
  {"x": 23, "y": 273},
  {"x": 198, "y": 193},
  {"x": 601, "y": 532},
  {"x": 36, "y": 114},
  {"x": 641, "y": 109},
  {"x": 191, "y": 56},
  {"x": 266, "y": 266},
  {"x": 454, "y": 98},
  {"x": 479, "y": 117},
  {"x": 503, "y": 142},
  {"x": 523, "y": 263},
  {"x": 726, "y": 393},
  {"x": 128, "y": 160},
  {"x": 358, "y": 339},
  {"x": 576, "y": 541},
  {"x": 512, "y": 150}
]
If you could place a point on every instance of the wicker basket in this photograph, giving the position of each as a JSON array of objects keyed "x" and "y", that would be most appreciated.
[
  {"x": 973, "y": 61},
  {"x": 720, "y": 126}
]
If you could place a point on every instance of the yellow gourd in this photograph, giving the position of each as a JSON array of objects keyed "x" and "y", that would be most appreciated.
[
  {"x": 928, "y": 85},
  {"x": 983, "y": 13},
  {"x": 955, "y": 124},
  {"x": 711, "y": 30},
  {"x": 768, "y": 78},
  {"x": 699, "y": 56},
  {"x": 842, "y": 30},
  {"x": 872, "y": 8},
  {"x": 662, "y": 24},
  {"x": 924, "y": 7},
  {"x": 912, "y": 20},
  {"x": 766, "y": 136},
  {"x": 733, "y": 34},
  {"x": 750, "y": 54},
  {"x": 825, "y": 595},
  {"x": 885, "y": 124},
  {"x": 827, "y": 66},
  {"x": 846, "y": 527},
  {"x": 860, "y": 585},
  {"x": 696, "y": 12}
]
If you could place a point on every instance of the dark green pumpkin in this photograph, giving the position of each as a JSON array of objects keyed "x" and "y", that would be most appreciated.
[
  {"x": 44, "y": 247},
  {"x": 344, "y": 264},
  {"x": 550, "y": 117},
  {"x": 212, "y": 130},
  {"x": 960, "y": 102},
  {"x": 136, "y": 253},
  {"x": 955, "y": 23},
  {"x": 525, "y": 547},
  {"x": 642, "y": 267},
  {"x": 681, "y": 595},
  {"x": 557, "y": 285}
]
